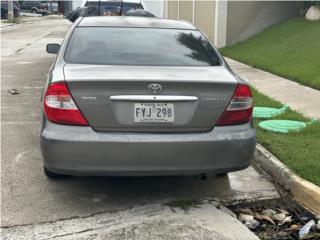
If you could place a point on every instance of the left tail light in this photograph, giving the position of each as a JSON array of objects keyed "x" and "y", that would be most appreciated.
[{"x": 59, "y": 106}]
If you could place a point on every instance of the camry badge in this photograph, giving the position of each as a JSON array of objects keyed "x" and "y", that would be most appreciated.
[{"x": 154, "y": 88}]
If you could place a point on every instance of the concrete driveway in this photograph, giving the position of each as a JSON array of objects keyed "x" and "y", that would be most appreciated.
[{"x": 31, "y": 204}]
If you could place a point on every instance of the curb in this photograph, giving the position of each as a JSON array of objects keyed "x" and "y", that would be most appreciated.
[{"x": 304, "y": 192}]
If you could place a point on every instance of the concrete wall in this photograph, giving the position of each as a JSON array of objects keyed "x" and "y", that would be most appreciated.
[
  {"x": 185, "y": 9},
  {"x": 247, "y": 18},
  {"x": 173, "y": 9},
  {"x": 203, "y": 12},
  {"x": 205, "y": 16}
]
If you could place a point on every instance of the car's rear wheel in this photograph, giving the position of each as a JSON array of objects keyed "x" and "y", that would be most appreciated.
[
  {"x": 34, "y": 11},
  {"x": 52, "y": 175}
]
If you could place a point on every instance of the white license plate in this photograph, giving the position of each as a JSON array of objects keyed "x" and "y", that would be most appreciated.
[{"x": 153, "y": 112}]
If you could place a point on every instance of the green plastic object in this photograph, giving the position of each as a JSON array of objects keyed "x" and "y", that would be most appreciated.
[
  {"x": 284, "y": 126},
  {"x": 268, "y": 112}
]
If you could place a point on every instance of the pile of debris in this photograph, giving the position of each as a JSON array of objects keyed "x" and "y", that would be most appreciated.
[{"x": 278, "y": 223}]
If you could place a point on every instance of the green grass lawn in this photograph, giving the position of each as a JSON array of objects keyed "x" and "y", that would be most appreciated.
[
  {"x": 300, "y": 151},
  {"x": 290, "y": 49}
]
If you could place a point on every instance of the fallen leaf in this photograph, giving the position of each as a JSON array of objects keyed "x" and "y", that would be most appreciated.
[
  {"x": 257, "y": 216},
  {"x": 293, "y": 227},
  {"x": 268, "y": 212},
  {"x": 279, "y": 217},
  {"x": 288, "y": 219},
  {"x": 267, "y": 218},
  {"x": 284, "y": 211}
]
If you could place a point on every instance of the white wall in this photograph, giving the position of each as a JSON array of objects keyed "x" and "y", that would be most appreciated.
[{"x": 155, "y": 6}]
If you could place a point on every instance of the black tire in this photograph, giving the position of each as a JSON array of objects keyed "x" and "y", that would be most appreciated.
[
  {"x": 52, "y": 175},
  {"x": 34, "y": 11}
]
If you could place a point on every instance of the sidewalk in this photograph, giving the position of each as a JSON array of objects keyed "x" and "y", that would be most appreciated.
[
  {"x": 153, "y": 221},
  {"x": 24, "y": 19},
  {"x": 298, "y": 97}
]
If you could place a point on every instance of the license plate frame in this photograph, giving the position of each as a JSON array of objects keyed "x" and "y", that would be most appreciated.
[{"x": 153, "y": 112}]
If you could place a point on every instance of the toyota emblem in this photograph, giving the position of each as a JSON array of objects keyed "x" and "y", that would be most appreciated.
[{"x": 154, "y": 88}]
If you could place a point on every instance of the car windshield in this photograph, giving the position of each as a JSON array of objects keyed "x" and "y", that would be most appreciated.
[
  {"x": 113, "y": 8},
  {"x": 140, "y": 46}
]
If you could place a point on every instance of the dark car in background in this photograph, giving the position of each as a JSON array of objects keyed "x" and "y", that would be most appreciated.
[
  {"x": 109, "y": 8},
  {"x": 4, "y": 9},
  {"x": 39, "y": 7}
]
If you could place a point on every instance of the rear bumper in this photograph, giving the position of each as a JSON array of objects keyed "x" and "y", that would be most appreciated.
[{"x": 81, "y": 151}]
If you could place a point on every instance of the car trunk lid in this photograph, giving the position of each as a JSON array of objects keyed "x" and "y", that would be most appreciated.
[{"x": 110, "y": 96}]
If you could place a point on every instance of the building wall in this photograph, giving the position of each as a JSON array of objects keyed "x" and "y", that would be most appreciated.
[
  {"x": 186, "y": 12},
  {"x": 205, "y": 16},
  {"x": 247, "y": 18},
  {"x": 173, "y": 9},
  {"x": 203, "y": 12}
]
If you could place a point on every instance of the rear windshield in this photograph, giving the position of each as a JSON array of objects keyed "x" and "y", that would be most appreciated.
[{"x": 140, "y": 46}]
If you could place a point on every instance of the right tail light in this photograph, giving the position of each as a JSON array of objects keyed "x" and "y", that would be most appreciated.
[{"x": 240, "y": 108}]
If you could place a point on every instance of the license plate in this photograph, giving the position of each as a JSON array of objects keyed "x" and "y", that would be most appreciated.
[{"x": 153, "y": 112}]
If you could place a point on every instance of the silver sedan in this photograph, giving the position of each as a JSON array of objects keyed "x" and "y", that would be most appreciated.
[{"x": 143, "y": 96}]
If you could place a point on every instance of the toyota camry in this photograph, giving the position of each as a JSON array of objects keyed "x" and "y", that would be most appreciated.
[{"x": 131, "y": 96}]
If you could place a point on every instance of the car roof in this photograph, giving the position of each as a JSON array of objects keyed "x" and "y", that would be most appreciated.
[{"x": 142, "y": 22}]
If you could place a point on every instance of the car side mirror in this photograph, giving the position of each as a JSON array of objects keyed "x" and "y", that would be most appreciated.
[{"x": 53, "y": 48}]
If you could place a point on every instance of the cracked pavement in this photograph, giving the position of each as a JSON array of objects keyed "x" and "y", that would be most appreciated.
[{"x": 34, "y": 207}]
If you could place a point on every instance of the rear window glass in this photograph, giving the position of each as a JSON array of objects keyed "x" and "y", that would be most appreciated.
[{"x": 140, "y": 46}]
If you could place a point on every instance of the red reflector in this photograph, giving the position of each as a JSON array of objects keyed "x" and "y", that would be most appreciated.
[
  {"x": 240, "y": 108},
  {"x": 59, "y": 106}
]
